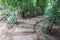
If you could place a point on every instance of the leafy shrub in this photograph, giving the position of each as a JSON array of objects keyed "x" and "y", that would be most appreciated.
[
  {"x": 9, "y": 7},
  {"x": 1, "y": 13},
  {"x": 32, "y": 7},
  {"x": 12, "y": 19},
  {"x": 12, "y": 4},
  {"x": 44, "y": 37},
  {"x": 44, "y": 27},
  {"x": 53, "y": 14}
]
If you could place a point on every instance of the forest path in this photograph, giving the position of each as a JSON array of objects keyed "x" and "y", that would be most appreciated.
[
  {"x": 24, "y": 31},
  {"x": 28, "y": 29}
]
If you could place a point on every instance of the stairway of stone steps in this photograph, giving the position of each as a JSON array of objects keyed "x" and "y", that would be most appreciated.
[
  {"x": 28, "y": 29},
  {"x": 24, "y": 31}
]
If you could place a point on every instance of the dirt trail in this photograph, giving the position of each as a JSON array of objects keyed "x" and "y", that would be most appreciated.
[{"x": 28, "y": 29}]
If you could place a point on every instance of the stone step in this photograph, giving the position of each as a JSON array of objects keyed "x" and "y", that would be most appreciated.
[
  {"x": 23, "y": 25},
  {"x": 3, "y": 28},
  {"x": 38, "y": 18},
  {"x": 19, "y": 30},
  {"x": 56, "y": 26},
  {"x": 24, "y": 37},
  {"x": 28, "y": 21},
  {"x": 27, "y": 33}
]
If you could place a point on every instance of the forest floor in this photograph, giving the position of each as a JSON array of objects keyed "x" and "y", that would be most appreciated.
[{"x": 28, "y": 29}]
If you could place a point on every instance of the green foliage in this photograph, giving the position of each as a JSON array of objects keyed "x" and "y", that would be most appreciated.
[
  {"x": 52, "y": 10},
  {"x": 1, "y": 13},
  {"x": 29, "y": 6},
  {"x": 44, "y": 37},
  {"x": 41, "y": 6},
  {"x": 12, "y": 4},
  {"x": 44, "y": 27},
  {"x": 9, "y": 7},
  {"x": 56, "y": 12},
  {"x": 57, "y": 18},
  {"x": 12, "y": 19},
  {"x": 32, "y": 7},
  {"x": 49, "y": 8},
  {"x": 52, "y": 14}
]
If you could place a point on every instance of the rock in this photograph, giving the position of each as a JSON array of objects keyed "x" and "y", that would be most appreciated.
[
  {"x": 4, "y": 35},
  {"x": 24, "y": 37},
  {"x": 23, "y": 25},
  {"x": 17, "y": 30},
  {"x": 56, "y": 26},
  {"x": 28, "y": 21},
  {"x": 3, "y": 28},
  {"x": 38, "y": 18}
]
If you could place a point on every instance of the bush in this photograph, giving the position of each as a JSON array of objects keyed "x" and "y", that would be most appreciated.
[{"x": 44, "y": 37}]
